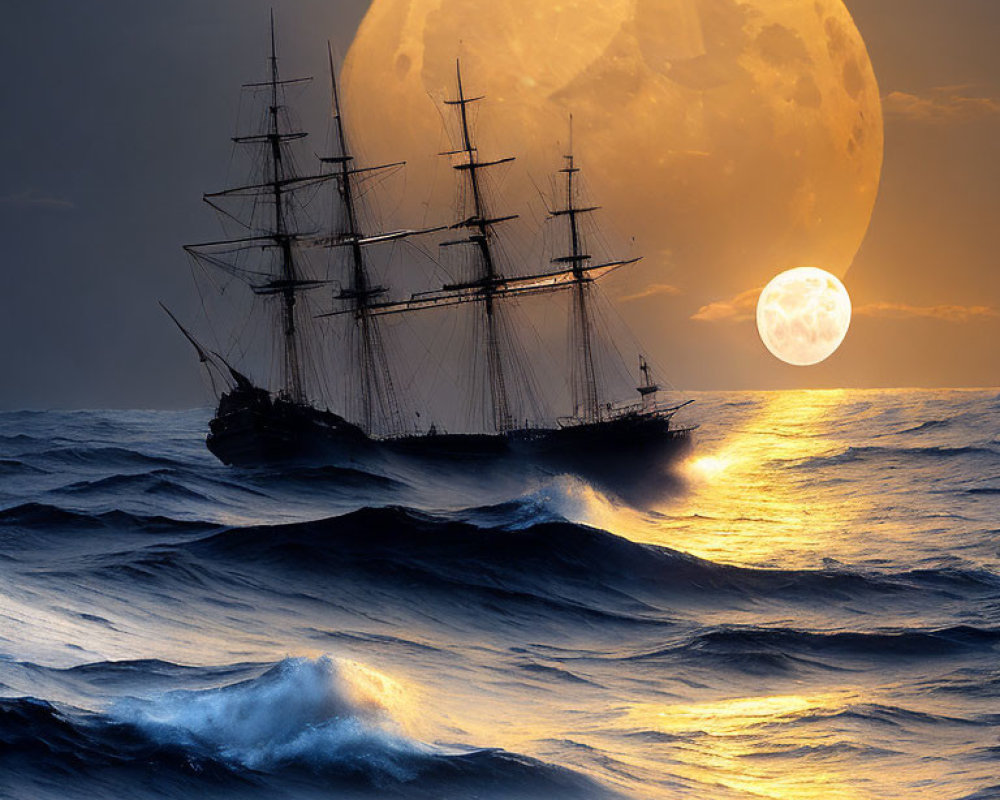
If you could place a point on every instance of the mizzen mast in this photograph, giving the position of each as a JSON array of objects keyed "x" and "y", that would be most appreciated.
[{"x": 586, "y": 402}]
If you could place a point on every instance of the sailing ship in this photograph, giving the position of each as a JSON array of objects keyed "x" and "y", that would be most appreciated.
[{"x": 259, "y": 424}]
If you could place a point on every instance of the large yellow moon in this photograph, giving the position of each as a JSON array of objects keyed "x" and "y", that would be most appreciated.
[
  {"x": 726, "y": 136},
  {"x": 803, "y": 315}
]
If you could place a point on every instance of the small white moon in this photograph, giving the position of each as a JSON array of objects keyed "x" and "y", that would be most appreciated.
[{"x": 803, "y": 315}]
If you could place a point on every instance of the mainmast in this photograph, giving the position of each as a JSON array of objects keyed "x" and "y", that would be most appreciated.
[
  {"x": 378, "y": 402},
  {"x": 488, "y": 280},
  {"x": 375, "y": 378}
]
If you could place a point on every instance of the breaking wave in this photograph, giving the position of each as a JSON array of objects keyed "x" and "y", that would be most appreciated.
[{"x": 324, "y": 716}]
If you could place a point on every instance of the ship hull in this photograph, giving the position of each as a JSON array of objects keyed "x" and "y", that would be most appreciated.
[{"x": 254, "y": 430}]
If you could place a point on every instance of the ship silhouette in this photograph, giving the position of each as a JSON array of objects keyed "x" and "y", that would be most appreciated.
[{"x": 279, "y": 420}]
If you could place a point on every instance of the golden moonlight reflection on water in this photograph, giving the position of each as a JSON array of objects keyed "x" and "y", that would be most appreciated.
[{"x": 735, "y": 509}]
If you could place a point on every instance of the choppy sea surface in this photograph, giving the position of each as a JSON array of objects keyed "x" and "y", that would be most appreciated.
[{"x": 812, "y": 612}]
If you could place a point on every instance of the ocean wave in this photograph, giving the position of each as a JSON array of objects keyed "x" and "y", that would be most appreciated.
[
  {"x": 160, "y": 482},
  {"x": 436, "y": 561},
  {"x": 324, "y": 475},
  {"x": 11, "y": 466},
  {"x": 548, "y": 627},
  {"x": 512, "y": 515},
  {"x": 334, "y": 719},
  {"x": 565, "y": 567},
  {"x": 551, "y": 549},
  {"x": 752, "y": 650},
  {"x": 923, "y": 427},
  {"x": 551, "y": 567},
  {"x": 833, "y": 750},
  {"x": 894, "y": 644},
  {"x": 891, "y": 715},
  {"x": 865, "y": 454},
  {"x": 41, "y": 738},
  {"x": 989, "y": 793},
  {"x": 101, "y": 678},
  {"x": 322, "y": 713},
  {"x": 103, "y": 457},
  {"x": 44, "y": 517},
  {"x": 557, "y": 571},
  {"x": 20, "y": 439}
]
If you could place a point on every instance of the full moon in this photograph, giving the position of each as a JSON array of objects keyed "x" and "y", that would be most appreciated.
[
  {"x": 725, "y": 136},
  {"x": 803, "y": 315}
]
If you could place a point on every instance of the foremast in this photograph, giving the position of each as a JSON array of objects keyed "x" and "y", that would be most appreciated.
[
  {"x": 289, "y": 272},
  {"x": 284, "y": 280}
]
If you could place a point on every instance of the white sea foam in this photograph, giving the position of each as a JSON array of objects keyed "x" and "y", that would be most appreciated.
[{"x": 319, "y": 712}]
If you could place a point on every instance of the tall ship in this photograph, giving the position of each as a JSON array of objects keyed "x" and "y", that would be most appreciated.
[{"x": 308, "y": 274}]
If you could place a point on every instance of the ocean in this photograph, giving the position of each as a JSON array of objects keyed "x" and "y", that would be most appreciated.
[{"x": 810, "y": 610}]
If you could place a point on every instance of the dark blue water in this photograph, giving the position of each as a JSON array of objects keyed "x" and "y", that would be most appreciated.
[{"x": 813, "y": 612}]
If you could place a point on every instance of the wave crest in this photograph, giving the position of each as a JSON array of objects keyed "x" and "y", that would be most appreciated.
[
  {"x": 301, "y": 719},
  {"x": 321, "y": 713}
]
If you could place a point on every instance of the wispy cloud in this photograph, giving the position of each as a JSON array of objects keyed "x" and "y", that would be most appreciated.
[
  {"x": 948, "y": 313},
  {"x": 743, "y": 307},
  {"x": 941, "y": 105},
  {"x": 651, "y": 291},
  {"x": 32, "y": 198},
  {"x": 740, "y": 308}
]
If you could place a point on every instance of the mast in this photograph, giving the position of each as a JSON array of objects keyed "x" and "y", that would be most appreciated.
[
  {"x": 647, "y": 390},
  {"x": 375, "y": 378},
  {"x": 585, "y": 396},
  {"x": 488, "y": 279},
  {"x": 289, "y": 274},
  {"x": 378, "y": 408},
  {"x": 280, "y": 276}
]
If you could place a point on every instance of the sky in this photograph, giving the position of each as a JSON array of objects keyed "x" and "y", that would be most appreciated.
[{"x": 118, "y": 117}]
